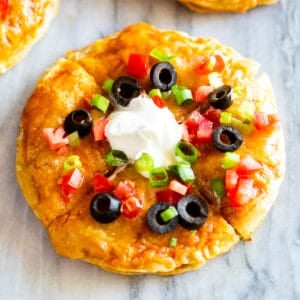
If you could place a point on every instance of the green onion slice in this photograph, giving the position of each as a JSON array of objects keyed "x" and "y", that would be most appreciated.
[
  {"x": 155, "y": 92},
  {"x": 71, "y": 162},
  {"x": 186, "y": 151},
  {"x": 184, "y": 171},
  {"x": 161, "y": 55},
  {"x": 182, "y": 94},
  {"x": 100, "y": 102},
  {"x": 230, "y": 160},
  {"x": 168, "y": 214},
  {"x": 116, "y": 158},
  {"x": 74, "y": 139},
  {"x": 225, "y": 117},
  {"x": 173, "y": 242},
  {"x": 107, "y": 85},
  {"x": 158, "y": 177},
  {"x": 218, "y": 187},
  {"x": 144, "y": 164}
]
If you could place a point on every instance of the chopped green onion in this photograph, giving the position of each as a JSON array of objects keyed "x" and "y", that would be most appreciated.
[
  {"x": 100, "y": 102},
  {"x": 166, "y": 95},
  {"x": 107, "y": 85},
  {"x": 144, "y": 164},
  {"x": 182, "y": 94},
  {"x": 184, "y": 171},
  {"x": 74, "y": 139},
  {"x": 225, "y": 117},
  {"x": 168, "y": 214},
  {"x": 173, "y": 242},
  {"x": 231, "y": 159},
  {"x": 72, "y": 162},
  {"x": 155, "y": 92},
  {"x": 161, "y": 55},
  {"x": 116, "y": 158},
  {"x": 218, "y": 187},
  {"x": 236, "y": 92},
  {"x": 158, "y": 177},
  {"x": 244, "y": 128},
  {"x": 186, "y": 151}
]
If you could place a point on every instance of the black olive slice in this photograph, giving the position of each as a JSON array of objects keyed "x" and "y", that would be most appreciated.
[
  {"x": 163, "y": 76},
  {"x": 124, "y": 89},
  {"x": 227, "y": 138},
  {"x": 193, "y": 212},
  {"x": 79, "y": 120},
  {"x": 155, "y": 222},
  {"x": 105, "y": 208},
  {"x": 220, "y": 98}
]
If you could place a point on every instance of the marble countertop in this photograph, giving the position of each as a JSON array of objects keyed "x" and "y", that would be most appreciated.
[{"x": 266, "y": 268}]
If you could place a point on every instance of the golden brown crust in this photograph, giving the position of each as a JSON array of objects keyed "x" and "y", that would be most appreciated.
[
  {"x": 24, "y": 24},
  {"x": 239, "y": 6},
  {"x": 129, "y": 246}
]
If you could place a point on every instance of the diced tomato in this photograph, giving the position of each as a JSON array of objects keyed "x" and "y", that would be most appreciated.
[
  {"x": 3, "y": 9},
  {"x": 168, "y": 196},
  {"x": 208, "y": 64},
  {"x": 124, "y": 190},
  {"x": 71, "y": 181},
  {"x": 201, "y": 93},
  {"x": 99, "y": 129},
  {"x": 102, "y": 185},
  {"x": 205, "y": 130},
  {"x": 245, "y": 191},
  {"x": 213, "y": 115},
  {"x": 138, "y": 65},
  {"x": 220, "y": 64},
  {"x": 131, "y": 207},
  {"x": 192, "y": 123},
  {"x": 248, "y": 165},
  {"x": 55, "y": 138},
  {"x": 159, "y": 102},
  {"x": 231, "y": 179},
  {"x": 178, "y": 187},
  {"x": 261, "y": 120}
]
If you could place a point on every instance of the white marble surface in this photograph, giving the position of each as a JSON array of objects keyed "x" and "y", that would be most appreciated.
[{"x": 266, "y": 268}]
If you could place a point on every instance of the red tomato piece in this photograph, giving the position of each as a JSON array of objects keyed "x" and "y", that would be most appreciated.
[
  {"x": 99, "y": 129},
  {"x": 101, "y": 184},
  {"x": 208, "y": 64},
  {"x": 168, "y": 196},
  {"x": 138, "y": 65},
  {"x": 192, "y": 123},
  {"x": 178, "y": 187},
  {"x": 159, "y": 102},
  {"x": 213, "y": 115},
  {"x": 201, "y": 93},
  {"x": 131, "y": 207},
  {"x": 245, "y": 191},
  {"x": 261, "y": 120},
  {"x": 71, "y": 181},
  {"x": 248, "y": 165},
  {"x": 55, "y": 138},
  {"x": 205, "y": 130},
  {"x": 231, "y": 179},
  {"x": 3, "y": 9},
  {"x": 124, "y": 190},
  {"x": 219, "y": 64}
]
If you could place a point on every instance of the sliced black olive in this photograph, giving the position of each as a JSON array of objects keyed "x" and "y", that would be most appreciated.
[
  {"x": 79, "y": 120},
  {"x": 227, "y": 138},
  {"x": 193, "y": 212},
  {"x": 105, "y": 208},
  {"x": 124, "y": 89},
  {"x": 155, "y": 222},
  {"x": 221, "y": 97},
  {"x": 163, "y": 76}
]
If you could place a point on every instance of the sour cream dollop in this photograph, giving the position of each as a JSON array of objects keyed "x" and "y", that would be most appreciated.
[{"x": 142, "y": 127}]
